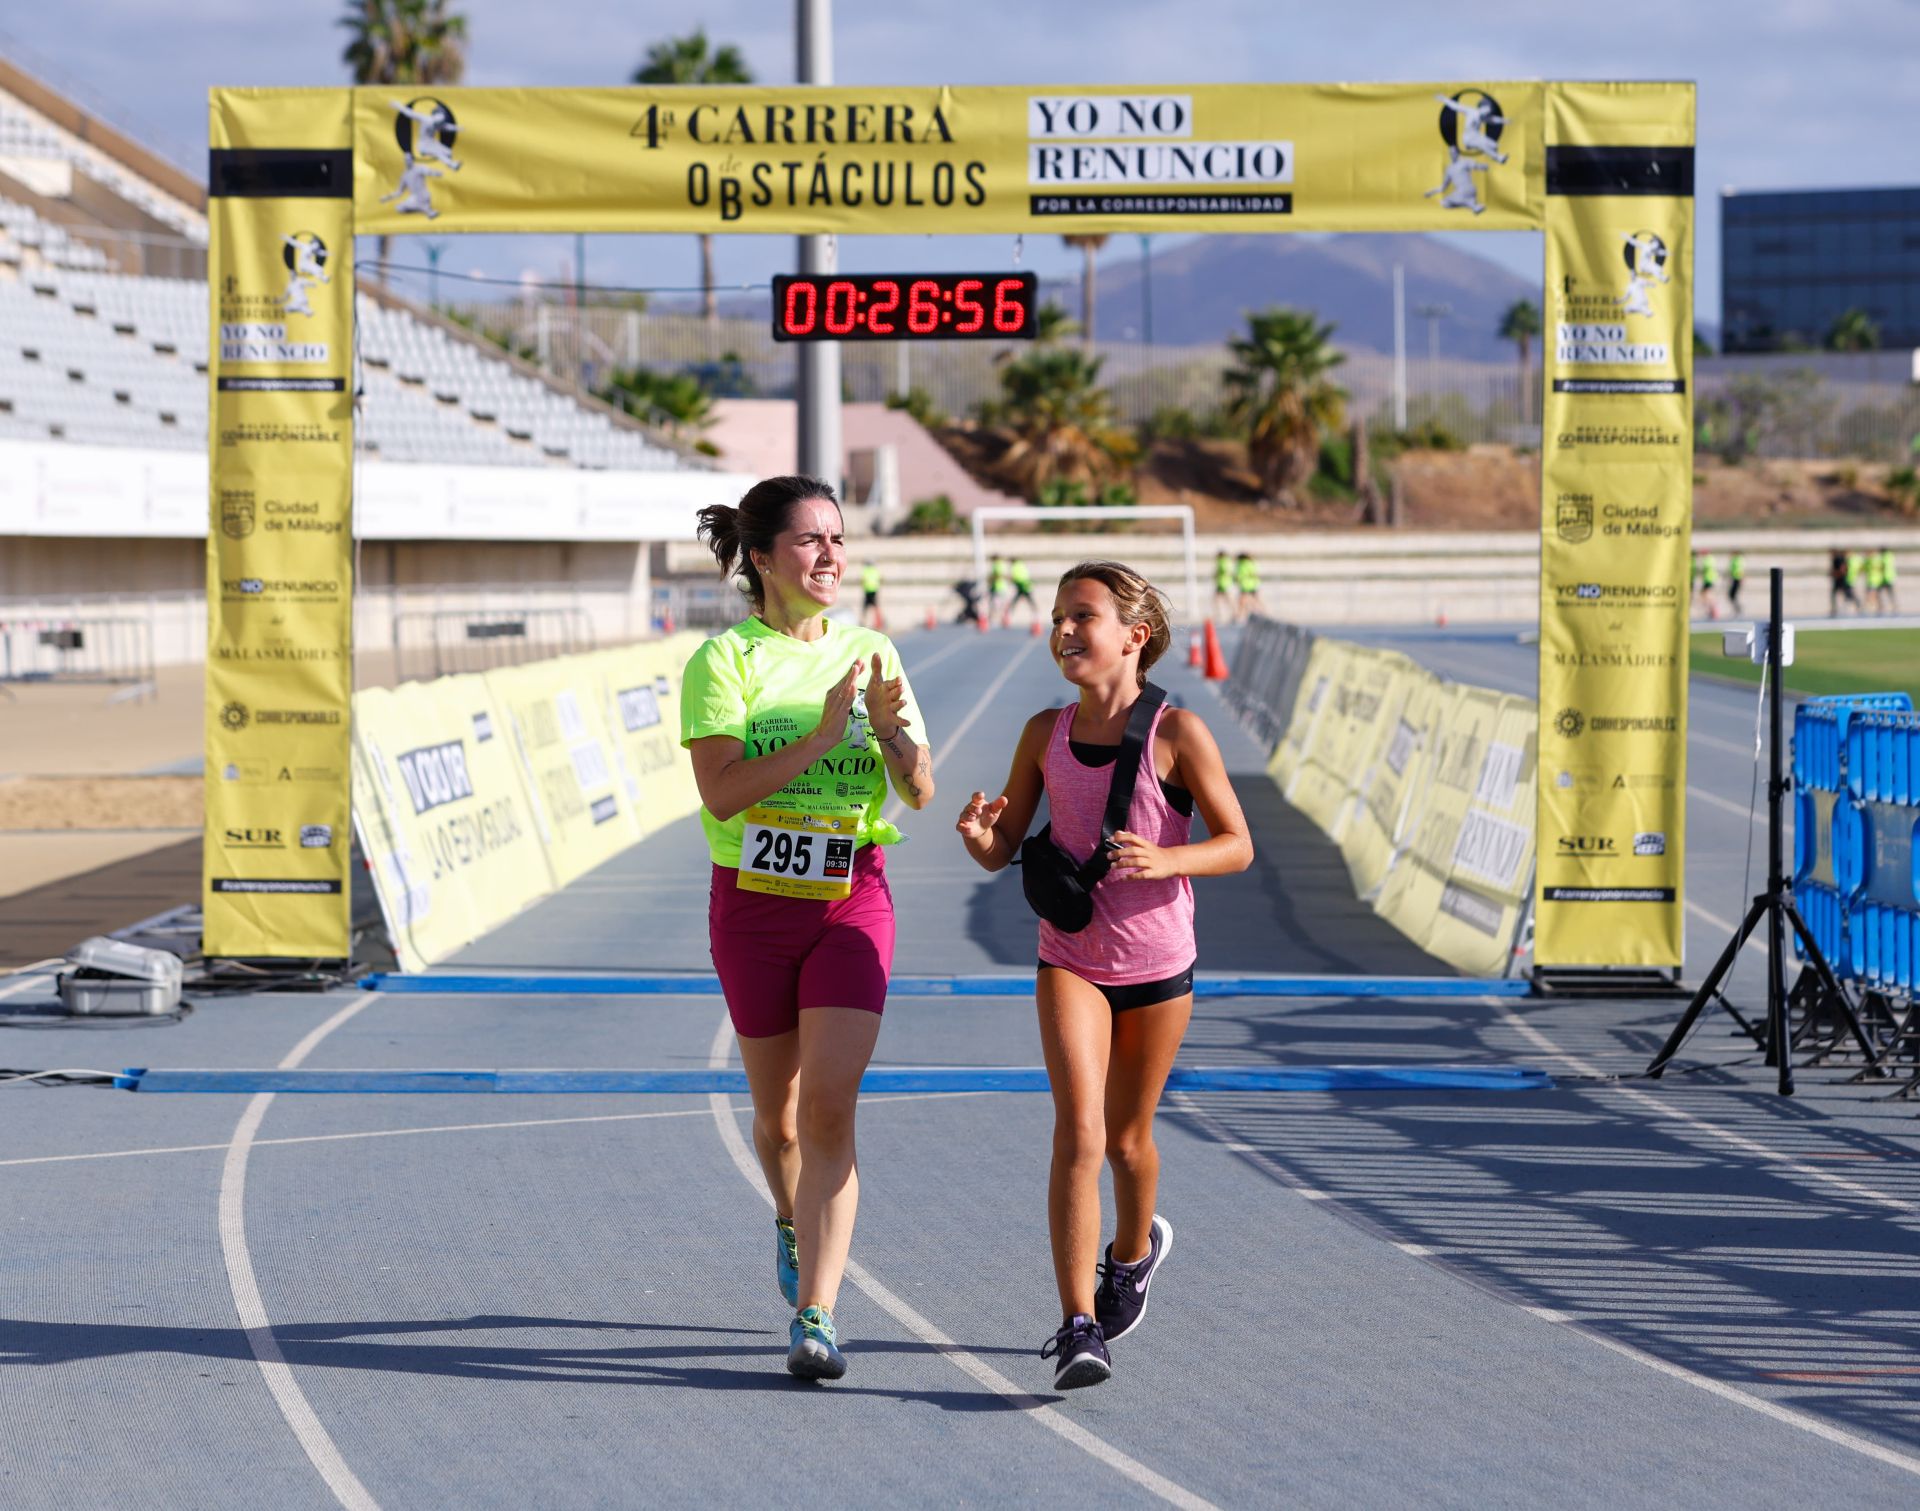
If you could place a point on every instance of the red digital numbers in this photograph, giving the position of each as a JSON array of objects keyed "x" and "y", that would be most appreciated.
[
  {"x": 843, "y": 291},
  {"x": 886, "y": 299},
  {"x": 896, "y": 307},
  {"x": 1009, "y": 312},
  {"x": 973, "y": 309},
  {"x": 923, "y": 306},
  {"x": 796, "y": 323}
]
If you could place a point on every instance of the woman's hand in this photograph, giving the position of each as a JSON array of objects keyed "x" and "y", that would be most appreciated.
[
  {"x": 832, "y": 728},
  {"x": 1136, "y": 859},
  {"x": 979, "y": 816},
  {"x": 886, "y": 696}
]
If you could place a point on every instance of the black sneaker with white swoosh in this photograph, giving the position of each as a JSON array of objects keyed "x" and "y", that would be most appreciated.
[{"x": 1121, "y": 1301}]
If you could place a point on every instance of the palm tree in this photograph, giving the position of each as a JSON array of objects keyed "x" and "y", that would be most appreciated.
[
  {"x": 1520, "y": 324},
  {"x": 687, "y": 60},
  {"x": 404, "y": 42},
  {"x": 1089, "y": 249},
  {"x": 1279, "y": 391},
  {"x": 1062, "y": 422},
  {"x": 1853, "y": 331}
]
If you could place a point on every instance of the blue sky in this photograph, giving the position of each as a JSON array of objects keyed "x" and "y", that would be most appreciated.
[{"x": 1793, "y": 93}]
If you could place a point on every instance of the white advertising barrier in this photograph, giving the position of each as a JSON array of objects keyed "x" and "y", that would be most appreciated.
[{"x": 442, "y": 814}]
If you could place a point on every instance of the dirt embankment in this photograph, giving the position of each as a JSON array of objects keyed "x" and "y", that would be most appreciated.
[{"x": 29, "y": 803}]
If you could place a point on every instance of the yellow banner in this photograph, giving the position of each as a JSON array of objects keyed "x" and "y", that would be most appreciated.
[
  {"x": 443, "y": 815},
  {"x": 639, "y": 690},
  {"x": 951, "y": 161},
  {"x": 1617, "y": 471},
  {"x": 279, "y": 545},
  {"x": 581, "y": 811}
]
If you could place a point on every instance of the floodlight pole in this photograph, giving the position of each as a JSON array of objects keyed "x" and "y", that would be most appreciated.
[{"x": 817, "y": 363}]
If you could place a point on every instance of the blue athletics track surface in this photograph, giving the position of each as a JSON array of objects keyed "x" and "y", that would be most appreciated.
[{"x": 1584, "y": 1294}]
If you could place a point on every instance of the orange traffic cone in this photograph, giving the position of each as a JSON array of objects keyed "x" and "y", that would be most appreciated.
[
  {"x": 1440, "y": 619},
  {"x": 980, "y": 623},
  {"x": 666, "y": 623},
  {"x": 1193, "y": 650},
  {"x": 931, "y": 621},
  {"x": 1033, "y": 629},
  {"x": 1216, "y": 663}
]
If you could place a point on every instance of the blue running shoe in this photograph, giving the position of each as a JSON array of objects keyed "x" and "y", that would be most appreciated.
[
  {"x": 786, "y": 1260},
  {"x": 1121, "y": 1301},
  {"x": 815, "y": 1354},
  {"x": 1081, "y": 1353}
]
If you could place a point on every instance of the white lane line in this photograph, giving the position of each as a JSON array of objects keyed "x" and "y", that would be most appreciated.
[
  {"x": 971, "y": 1365},
  {"x": 1753, "y": 939},
  {"x": 334, "y": 1138},
  {"x": 952, "y": 741},
  {"x": 936, "y": 658},
  {"x": 320, "y": 1449},
  {"x": 1782, "y": 1414},
  {"x": 1737, "y": 810},
  {"x": 1785, "y": 1415}
]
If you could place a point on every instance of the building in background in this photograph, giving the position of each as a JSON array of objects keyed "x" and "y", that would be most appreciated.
[{"x": 1794, "y": 261}]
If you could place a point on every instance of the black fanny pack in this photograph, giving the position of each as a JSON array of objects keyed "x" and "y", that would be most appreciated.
[{"x": 1060, "y": 888}]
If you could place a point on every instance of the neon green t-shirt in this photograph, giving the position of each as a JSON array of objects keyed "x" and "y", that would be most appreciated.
[
  {"x": 1889, "y": 573},
  {"x": 1249, "y": 577},
  {"x": 869, "y": 579},
  {"x": 1022, "y": 578},
  {"x": 1222, "y": 575},
  {"x": 765, "y": 689}
]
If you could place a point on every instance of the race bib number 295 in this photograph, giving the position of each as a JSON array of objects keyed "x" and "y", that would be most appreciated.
[{"x": 797, "y": 854}]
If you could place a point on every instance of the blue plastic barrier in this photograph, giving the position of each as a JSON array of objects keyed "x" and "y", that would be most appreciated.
[{"x": 1856, "y": 764}]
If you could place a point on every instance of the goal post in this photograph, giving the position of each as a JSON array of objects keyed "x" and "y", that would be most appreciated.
[{"x": 1182, "y": 512}]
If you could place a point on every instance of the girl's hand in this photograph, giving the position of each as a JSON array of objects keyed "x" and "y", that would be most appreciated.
[
  {"x": 886, "y": 696},
  {"x": 832, "y": 727},
  {"x": 979, "y": 816},
  {"x": 1136, "y": 859}
]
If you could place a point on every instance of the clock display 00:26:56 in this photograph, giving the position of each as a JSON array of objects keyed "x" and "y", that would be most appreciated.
[{"x": 904, "y": 306}]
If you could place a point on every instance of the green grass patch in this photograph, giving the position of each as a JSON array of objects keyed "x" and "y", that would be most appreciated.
[{"x": 1829, "y": 661}]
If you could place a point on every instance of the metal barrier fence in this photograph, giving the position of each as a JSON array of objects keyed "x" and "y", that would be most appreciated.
[
  {"x": 1798, "y": 404},
  {"x": 1856, "y": 878},
  {"x": 430, "y": 643},
  {"x": 81, "y": 649}
]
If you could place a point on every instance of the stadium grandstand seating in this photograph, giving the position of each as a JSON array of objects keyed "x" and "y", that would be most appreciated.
[{"x": 107, "y": 359}]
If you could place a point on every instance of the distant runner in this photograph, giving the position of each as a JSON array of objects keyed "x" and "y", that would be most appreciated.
[
  {"x": 870, "y": 614},
  {"x": 1114, "y": 997},
  {"x": 1247, "y": 575},
  {"x": 792, "y": 761},
  {"x": 998, "y": 587},
  {"x": 1736, "y": 575},
  {"x": 1222, "y": 587},
  {"x": 1022, "y": 590},
  {"x": 1890, "y": 576}
]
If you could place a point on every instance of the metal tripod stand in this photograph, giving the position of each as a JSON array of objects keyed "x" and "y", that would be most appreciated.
[{"x": 1775, "y": 905}]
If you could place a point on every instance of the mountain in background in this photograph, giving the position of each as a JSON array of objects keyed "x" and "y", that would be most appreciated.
[{"x": 1203, "y": 289}]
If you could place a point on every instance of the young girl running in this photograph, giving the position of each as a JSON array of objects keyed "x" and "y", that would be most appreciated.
[
  {"x": 792, "y": 762},
  {"x": 1114, "y": 998}
]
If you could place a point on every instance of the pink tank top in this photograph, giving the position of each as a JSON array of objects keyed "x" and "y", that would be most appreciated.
[{"x": 1141, "y": 930}]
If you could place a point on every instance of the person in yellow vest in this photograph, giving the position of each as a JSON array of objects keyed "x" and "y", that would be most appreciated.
[
  {"x": 870, "y": 615},
  {"x": 998, "y": 586},
  {"x": 1709, "y": 580},
  {"x": 1022, "y": 589},
  {"x": 1876, "y": 584},
  {"x": 1222, "y": 586},
  {"x": 1890, "y": 577},
  {"x": 1247, "y": 576},
  {"x": 1736, "y": 576},
  {"x": 1856, "y": 571}
]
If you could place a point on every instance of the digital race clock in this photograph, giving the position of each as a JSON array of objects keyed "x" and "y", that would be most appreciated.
[{"x": 904, "y": 306}]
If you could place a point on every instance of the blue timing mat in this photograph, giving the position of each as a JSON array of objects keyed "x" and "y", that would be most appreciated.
[
  {"x": 947, "y": 1078},
  {"x": 946, "y": 986}
]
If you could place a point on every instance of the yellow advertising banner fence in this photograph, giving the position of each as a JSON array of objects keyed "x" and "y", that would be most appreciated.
[
  {"x": 475, "y": 796},
  {"x": 1606, "y": 170}
]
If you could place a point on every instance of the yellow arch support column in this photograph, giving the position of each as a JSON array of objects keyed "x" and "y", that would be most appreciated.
[
  {"x": 280, "y": 537},
  {"x": 1617, "y": 485}
]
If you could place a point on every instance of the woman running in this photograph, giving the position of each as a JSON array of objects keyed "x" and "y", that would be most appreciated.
[
  {"x": 1114, "y": 998},
  {"x": 792, "y": 761}
]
